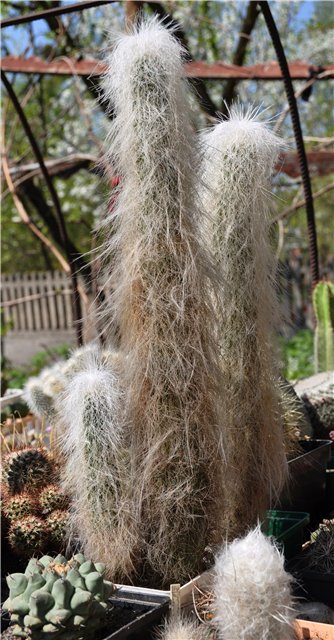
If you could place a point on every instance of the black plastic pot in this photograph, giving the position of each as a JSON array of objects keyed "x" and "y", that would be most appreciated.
[
  {"x": 142, "y": 610},
  {"x": 306, "y": 487},
  {"x": 134, "y": 615},
  {"x": 313, "y": 585}
]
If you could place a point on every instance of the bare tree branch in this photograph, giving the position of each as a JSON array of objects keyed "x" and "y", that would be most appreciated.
[
  {"x": 301, "y": 203},
  {"x": 239, "y": 57}
]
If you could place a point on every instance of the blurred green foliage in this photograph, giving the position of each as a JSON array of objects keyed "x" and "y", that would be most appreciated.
[{"x": 297, "y": 355}]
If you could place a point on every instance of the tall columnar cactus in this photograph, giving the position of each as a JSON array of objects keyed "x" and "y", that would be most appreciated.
[
  {"x": 239, "y": 157},
  {"x": 56, "y": 598},
  {"x": 96, "y": 473},
  {"x": 164, "y": 286},
  {"x": 252, "y": 591},
  {"x": 323, "y": 303}
]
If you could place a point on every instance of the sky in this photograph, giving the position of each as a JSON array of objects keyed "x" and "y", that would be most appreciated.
[{"x": 19, "y": 39}]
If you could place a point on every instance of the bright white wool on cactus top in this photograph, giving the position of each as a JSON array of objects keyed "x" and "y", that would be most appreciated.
[{"x": 252, "y": 591}]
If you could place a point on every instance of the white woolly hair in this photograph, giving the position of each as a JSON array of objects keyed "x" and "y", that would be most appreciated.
[
  {"x": 252, "y": 591},
  {"x": 163, "y": 280},
  {"x": 95, "y": 472},
  {"x": 182, "y": 628},
  {"x": 42, "y": 392},
  {"x": 238, "y": 160},
  {"x": 39, "y": 402}
]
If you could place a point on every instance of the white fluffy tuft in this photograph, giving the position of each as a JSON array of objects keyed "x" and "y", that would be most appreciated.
[
  {"x": 181, "y": 628},
  {"x": 252, "y": 591}
]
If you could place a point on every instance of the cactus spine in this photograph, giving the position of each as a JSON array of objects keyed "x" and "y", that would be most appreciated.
[
  {"x": 28, "y": 502},
  {"x": 165, "y": 281},
  {"x": 323, "y": 303},
  {"x": 56, "y": 524},
  {"x": 52, "y": 498},
  {"x": 28, "y": 536},
  {"x": 58, "y": 598},
  {"x": 239, "y": 156},
  {"x": 18, "y": 506},
  {"x": 26, "y": 469}
]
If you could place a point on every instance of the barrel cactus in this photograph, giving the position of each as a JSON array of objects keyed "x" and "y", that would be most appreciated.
[
  {"x": 66, "y": 599},
  {"x": 28, "y": 536},
  {"x": 26, "y": 469},
  {"x": 56, "y": 524},
  {"x": 18, "y": 506},
  {"x": 52, "y": 498}
]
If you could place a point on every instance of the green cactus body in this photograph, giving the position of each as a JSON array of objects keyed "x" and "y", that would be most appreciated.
[
  {"x": 323, "y": 303},
  {"x": 26, "y": 469},
  {"x": 52, "y": 498},
  {"x": 18, "y": 506},
  {"x": 27, "y": 536},
  {"x": 54, "y": 597}
]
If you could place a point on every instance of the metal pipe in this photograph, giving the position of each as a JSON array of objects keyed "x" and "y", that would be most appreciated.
[
  {"x": 57, "y": 11},
  {"x": 311, "y": 226}
]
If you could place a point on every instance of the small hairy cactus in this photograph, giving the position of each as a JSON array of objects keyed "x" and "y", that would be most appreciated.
[
  {"x": 38, "y": 401},
  {"x": 56, "y": 524},
  {"x": 52, "y": 498},
  {"x": 56, "y": 598},
  {"x": 320, "y": 554},
  {"x": 18, "y": 506},
  {"x": 42, "y": 392},
  {"x": 182, "y": 628},
  {"x": 323, "y": 303},
  {"x": 26, "y": 469},
  {"x": 96, "y": 463},
  {"x": 252, "y": 591},
  {"x": 28, "y": 536}
]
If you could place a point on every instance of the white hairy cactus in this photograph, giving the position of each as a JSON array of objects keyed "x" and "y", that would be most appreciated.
[
  {"x": 42, "y": 392},
  {"x": 239, "y": 157},
  {"x": 38, "y": 400},
  {"x": 95, "y": 472},
  {"x": 182, "y": 628},
  {"x": 252, "y": 591},
  {"x": 163, "y": 282}
]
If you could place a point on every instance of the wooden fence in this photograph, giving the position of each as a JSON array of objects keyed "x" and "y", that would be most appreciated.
[
  {"x": 36, "y": 301},
  {"x": 42, "y": 300}
]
